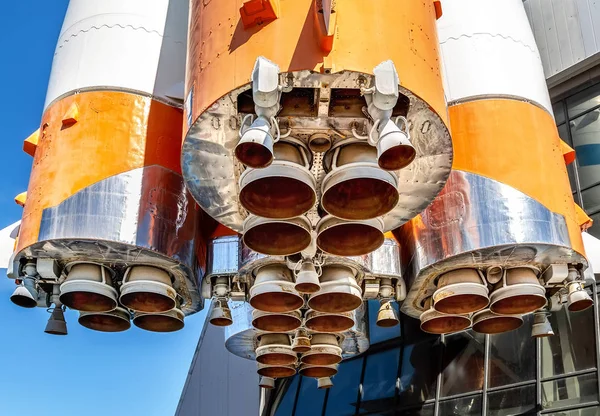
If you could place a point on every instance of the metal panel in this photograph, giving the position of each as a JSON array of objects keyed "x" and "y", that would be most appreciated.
[
  {"x": 499, "y": 35},
  {"x": 133, "y": 45},
  {"x": 463, "y": 229},
  {"x": 219, "y": 383},
  {"x": 567, "y": 31}
]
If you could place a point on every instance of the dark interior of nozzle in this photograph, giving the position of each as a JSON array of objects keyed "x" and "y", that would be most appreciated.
[
  {"x": 498, "y": 325},
  {"x": 147, "y": 302},
  {"x": 334, "y": 302},
  {"x": 462, "y": 304},
  {"x": 276, "y": 302},
  {"x": 254, "y": 155},
  {"x": 276, "y": 323},
  {"x": 104, "y": 322},
  {"x": 518, "y": 305},
  {"x": 158, "y": 323},
  {"x": 446, "y": 324},
  {"x": 321, "y": 359},
  {"x": 330, "y": 323},
  {"x": 318, "y": 372},
  {"x": 276, "y": 372},
  {"x": 277, "y": 238},
  {"x": 88, "y": 301},
  {"x": 360, "y": 198},
  {"x": 277, "y": 197},
  {"x": 351, "y": 239},
  {"x": 397, "y": 157}
]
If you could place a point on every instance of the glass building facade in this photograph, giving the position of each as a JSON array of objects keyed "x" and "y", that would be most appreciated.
[
  {"x": 578, "y": 119},
  {"x": 407, "y": 372}
]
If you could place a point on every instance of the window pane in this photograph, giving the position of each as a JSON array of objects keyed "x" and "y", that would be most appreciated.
[
  {"x": 512, "y": 356},
  {"x": 595, "y": 229},
  {"x": 463, "y": 363},
  {"x": 583, "y": 101},
  {"x": 418, "y": 376},
  {"x": 515, "y": 401},
  {"x": 343, "y": 394},
  {"x": 585, "y": 132},
  {"x": 286, "y": 405},
  {"x": 310, "y": 398},
  {"x": 591, "y": 198},
  {"x": 559, "y": 112},
  {"x": 377, "y": 333},
  {"x": 588, "y": 411},
  {"x": 379, "y": 384},
  {"x": 426, "y": 410},
  {"x": 572, "y": 348},
  {"x": 465, "y": 406},
  {"x": 570, "y": 391}
]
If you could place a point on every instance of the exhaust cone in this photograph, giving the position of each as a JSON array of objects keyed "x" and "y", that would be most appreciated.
[
  {"x": 159, "y": 322},
  {"x": 317, "y": 371},
  {"x": 273, "y": 290},
  {"x": 460, "y": 292},
  {"x": 541, "y": 325},
  {"x": 147, "y": 289},
  {"x": 357, "y": 189},
  {"x": 434, "y": 322},
  {"x": 117, "y": 320},
  {"x": 307, "y": 279},
  {"x": 266, "y": 383},
  {"x": 324, "y": 351},
  {"x": 88, "y": 289},
  {"x": 324, "y": 383},
  {"x": 277, "y": 238},
  {"x": 276, "y": 371},
  {"x": 56, "y": 324},
  {"x": 518, "y": 293},
  {"x": 329, "y": 322},
  {"x": 301, "y": 342},
  {"x": 349, "y": 238},
  {"x": 221, "y": 314},
  {"x": 255, "y": 148},
  {"x": 487, "y": 322},
  {"x": 339, "y": 291},
  {"x": 387, "y": 316},
  {"x": 394, "y": 150},
  {"x": 577, "y": 299},
  {"x": 275, "y": 349},
  {"x": 276, "y": 322},
  {"x": 26, "y": 294},
  {"x": 285, "y": 189}
]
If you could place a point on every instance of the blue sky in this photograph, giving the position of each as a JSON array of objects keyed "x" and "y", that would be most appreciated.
[{"x": 85, "y": 373}]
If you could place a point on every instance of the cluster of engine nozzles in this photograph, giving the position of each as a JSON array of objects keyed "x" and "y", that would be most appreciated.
[
  {"x": 463, "y": 299},
  {"x": 304, "y": 314},
  {"x": 278, "y": 188},
  {"x": 147, "y": 291},
  {"x": 355, "y": 194}
]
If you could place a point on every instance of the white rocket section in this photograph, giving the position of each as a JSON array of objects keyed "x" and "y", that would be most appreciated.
[
  {"x": 592, "y": 251},
  {"x": 121, "y": 44},
  {"x": 7, "y": 243},
  {"x": 495, "y": 37}
]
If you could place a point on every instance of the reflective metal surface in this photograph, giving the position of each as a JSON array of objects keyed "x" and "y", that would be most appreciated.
[
  {"x": 240, "y": 338},
  {"x": 226, "y": 252},
  {"x": 140, "y": 217},
  {"x": 479, "y": 222},
  {"x": 212, "y": 172}
]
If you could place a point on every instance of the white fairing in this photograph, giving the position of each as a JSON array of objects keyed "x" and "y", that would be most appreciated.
[
  {"x": 7, "y": 243},
  {"x": 133, "y": 45},
  {"x": 495, "y": 37},
  {"x": 592, "y": 251}
]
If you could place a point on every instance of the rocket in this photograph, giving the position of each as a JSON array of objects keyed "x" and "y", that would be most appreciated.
[{"x": 285, "y": 161}]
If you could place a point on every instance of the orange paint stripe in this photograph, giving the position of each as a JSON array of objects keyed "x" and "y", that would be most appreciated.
[
  {"x": 115, "y": 132},
  {"x": 515, "y": 143}
]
